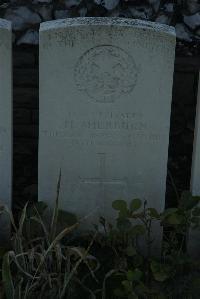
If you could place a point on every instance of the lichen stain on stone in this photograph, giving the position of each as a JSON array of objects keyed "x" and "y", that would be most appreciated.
[
  {"x": 71, "y": 31},
  {"x": 108, "y": 22}
]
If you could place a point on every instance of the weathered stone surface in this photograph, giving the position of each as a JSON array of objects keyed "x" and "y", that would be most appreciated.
[
  {"x": 5, "y": 123},
  {"x": 45, "y": 11},
  {"x": 169, "y": 7},
  {"x": 104, "y": 112},
  {"x": 141, "y": 12},
  {"x": 192, "y": 21},
  {"x": 182, "y": 33},
  {"x": 71, "y": 3},
  {"x": 61, "y": 14},
  {"x": 163, "y": 19},
  {"x": 22, "y": 17},
  {"x": 42, "y": 1},
  {"x": 193, "y": 6},
  {"x": 108, "y": 4},
  {"x": 31, "y": 37}
]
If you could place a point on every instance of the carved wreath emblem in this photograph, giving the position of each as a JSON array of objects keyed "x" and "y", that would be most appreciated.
[{"x": 105, "y": 72}]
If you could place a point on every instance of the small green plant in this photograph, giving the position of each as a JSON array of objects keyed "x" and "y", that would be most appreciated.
[
  {"x": 48, "y": 261},
  {"x": 140, "y": 273}
]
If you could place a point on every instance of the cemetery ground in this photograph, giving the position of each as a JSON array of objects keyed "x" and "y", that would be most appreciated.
[
  {"x": 104, "y": 122},
  {"x": 48, "y": 259}
]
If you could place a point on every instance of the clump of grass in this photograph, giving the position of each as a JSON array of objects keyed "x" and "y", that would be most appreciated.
[{"x": 40, "y": 264}]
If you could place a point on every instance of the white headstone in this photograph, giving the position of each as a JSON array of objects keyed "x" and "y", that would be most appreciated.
[
  {"x": 194, "y": 235},
  {"x": 105, "y": 101},
  {"x": 5, "y": 122}
]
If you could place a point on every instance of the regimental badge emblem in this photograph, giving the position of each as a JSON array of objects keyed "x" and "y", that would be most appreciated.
[{"x": 105, "y": 73}]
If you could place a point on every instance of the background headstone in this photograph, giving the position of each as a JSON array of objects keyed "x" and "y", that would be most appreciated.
[
  {"x": 194, "y": 235},
  {"x": 5, "y": 122},
  {"x": 105, "y": 100}
]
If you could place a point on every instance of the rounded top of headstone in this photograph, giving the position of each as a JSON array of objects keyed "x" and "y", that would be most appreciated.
[
  {"x": 106, "y": 21},
  {"x": 4, "y": 24}
]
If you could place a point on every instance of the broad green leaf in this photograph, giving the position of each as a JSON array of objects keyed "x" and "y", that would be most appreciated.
[
  {"x": 124, "y": 213},
  {"x": 153, "y": 213},
  {"x": 132, "y": 296},
  {"x": 135, "y": 204},
  {"x": 127, "y": 285},
  {"x": 123, "y": 224},
  {"x": 161, "y": 272},
  {"x": 168, "y": 212},
  {"x": 119, "y": 205},
  {"x": 175, "y": 219},
  {"x": 130, "y": 275},
  {"x": 135, "y": 275},
  {"x": 131, "y": 251},
  {"x": 7, "y": 277},
  {"x": 138, "y": 230}
]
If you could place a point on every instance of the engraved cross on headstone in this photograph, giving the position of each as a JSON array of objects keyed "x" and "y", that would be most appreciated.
[{"x": 102, "y": 179}]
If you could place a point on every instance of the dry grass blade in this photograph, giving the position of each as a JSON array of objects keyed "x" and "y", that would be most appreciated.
[
  {"x": 60, "y": 236},
  {"x": 66, "y": 282},
  {"x": 6, "y": 209},
  {"x": 7, "y": 277},
  {"x": 28, "y": 275},
  {"x": 58, "y": 252},
  {"x": 39, "y": 221},
  {"x": 92, "y": 271},
  {"x": 18, "y": 291},
  {"x": 22, "y": 219},
  {"x": 109, "y": 274},
  {"x": 55, "y": 210},
  {"x": 81, "y": 255}
]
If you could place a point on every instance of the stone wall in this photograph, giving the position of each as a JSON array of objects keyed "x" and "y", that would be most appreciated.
[{"x": 26, "y": 15}]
